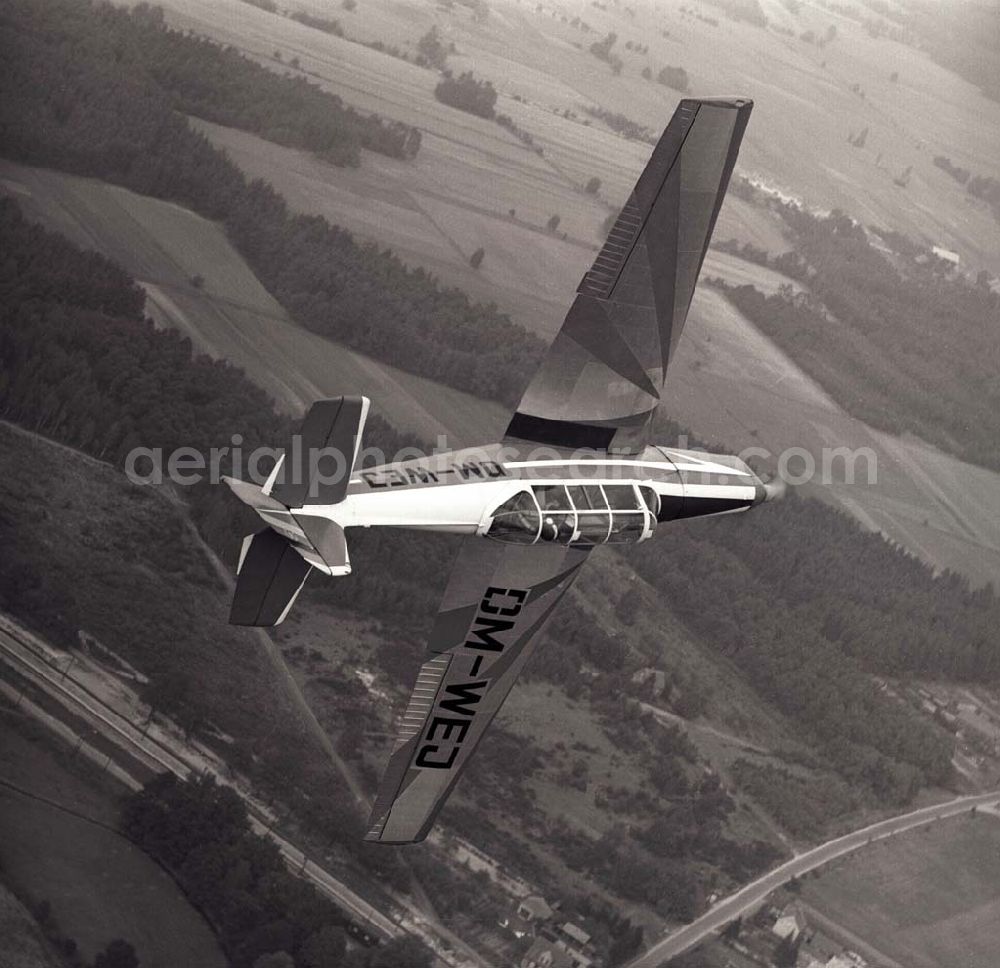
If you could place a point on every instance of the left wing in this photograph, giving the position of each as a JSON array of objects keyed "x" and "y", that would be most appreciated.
[
  {"x": 599, "y": 385},
  {"x": 498, "y": 598}
]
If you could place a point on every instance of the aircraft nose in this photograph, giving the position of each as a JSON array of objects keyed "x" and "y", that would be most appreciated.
[{"x": 773, "y": 490}]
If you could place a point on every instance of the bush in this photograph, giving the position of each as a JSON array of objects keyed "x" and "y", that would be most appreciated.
[
  {"x": 675, "y": 77},
  {"x": 467, "y": 94}
]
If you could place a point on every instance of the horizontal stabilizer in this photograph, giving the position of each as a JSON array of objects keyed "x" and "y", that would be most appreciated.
[
  {"x": 271, "y": 573},
  {"x": 328, "y": 541}
]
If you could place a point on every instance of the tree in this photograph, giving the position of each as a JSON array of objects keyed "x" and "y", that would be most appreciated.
[
  {"x": 593, "y": 186},
  {"x": 170, "y": 692},
  {"x": 431, "y": 49},
  {"x": 553, "y": 223},
  {"x": 601, "y": 49},
  {"x": 786, "y": 952},
  {"x": 325, "y": 948},
  {"x": 118, "y": 954},
  {"x": 626, "y": 943},
  {"x": 402, "y": 951},
  {"x": 467, "y": 94},
  {"x": 275, "y": 959},
  {"x": 476, "y": 259},
  {"x": 675, "y": 77},
  {"x": 731, "y": 932}
]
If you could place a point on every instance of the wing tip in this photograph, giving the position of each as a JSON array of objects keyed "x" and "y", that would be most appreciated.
[
  {"x": 730, "y": 101},
  {"x": 375, "y": 835}
]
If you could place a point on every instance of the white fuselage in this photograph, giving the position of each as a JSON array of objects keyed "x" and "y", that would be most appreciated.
[{"x": 462, "y": 491}]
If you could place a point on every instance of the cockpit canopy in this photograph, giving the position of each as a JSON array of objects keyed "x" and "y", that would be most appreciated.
[{"x": 583, "y": 514}]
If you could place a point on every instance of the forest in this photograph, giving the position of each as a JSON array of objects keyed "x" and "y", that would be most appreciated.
[
  {"x": 71, "y": 106},
  {"x": 200, "y": 831},
  {"x": 223, "y": 85},
  {"x": 896, "y": 342}
]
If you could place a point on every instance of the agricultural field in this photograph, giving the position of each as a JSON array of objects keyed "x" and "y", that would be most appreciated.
[
  {"x": 927, "y": 899},
  {"x": 99, "y": 885},
  {"x": 197, "y": 283},
  {"x": 809, "y": 99},
  {"x": 431, "y": 213},
  {"x": 24, "y": 945}
]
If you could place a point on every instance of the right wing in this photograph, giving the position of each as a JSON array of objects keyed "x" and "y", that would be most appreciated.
[
  {"x": 498, "y": 598},
  {"x": 600, "y": 382}
]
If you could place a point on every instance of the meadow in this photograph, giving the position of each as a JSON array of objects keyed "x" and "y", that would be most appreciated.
[
  {"x": 929, "y": 898},
  {"x": 98, "y": 884}
]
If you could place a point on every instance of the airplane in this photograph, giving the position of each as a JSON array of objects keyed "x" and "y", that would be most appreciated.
[{"x": 575, "y": 470}]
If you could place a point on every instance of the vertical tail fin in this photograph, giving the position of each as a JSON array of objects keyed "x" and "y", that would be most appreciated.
[
  {"x": 314, "y": 470},
  {"x": 318, "y": 460}
]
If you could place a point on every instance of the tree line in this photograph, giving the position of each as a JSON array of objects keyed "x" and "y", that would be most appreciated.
[
  {"x": 262, "y": 913},
  {"x": 70, "y": 101},
  {"x": 898, "y": 343},
  {"x": 223, "y": 85},
  {"x": 984, "y": 187}
]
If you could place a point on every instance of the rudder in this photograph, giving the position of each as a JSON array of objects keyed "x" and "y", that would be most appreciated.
[{"x": 331, "y": 427}]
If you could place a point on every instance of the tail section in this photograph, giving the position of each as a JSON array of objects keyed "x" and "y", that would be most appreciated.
[
  {"x": 269, "y": 577},
  {"x": 317, "y": 464},
  {"x": 314, "y": 470}
]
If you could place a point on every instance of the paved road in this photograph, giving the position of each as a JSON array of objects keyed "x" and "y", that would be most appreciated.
[{"x": 753, "y": 894}]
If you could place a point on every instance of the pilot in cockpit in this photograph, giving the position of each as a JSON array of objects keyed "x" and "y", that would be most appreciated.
[{"x": 561, "y": 530}]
